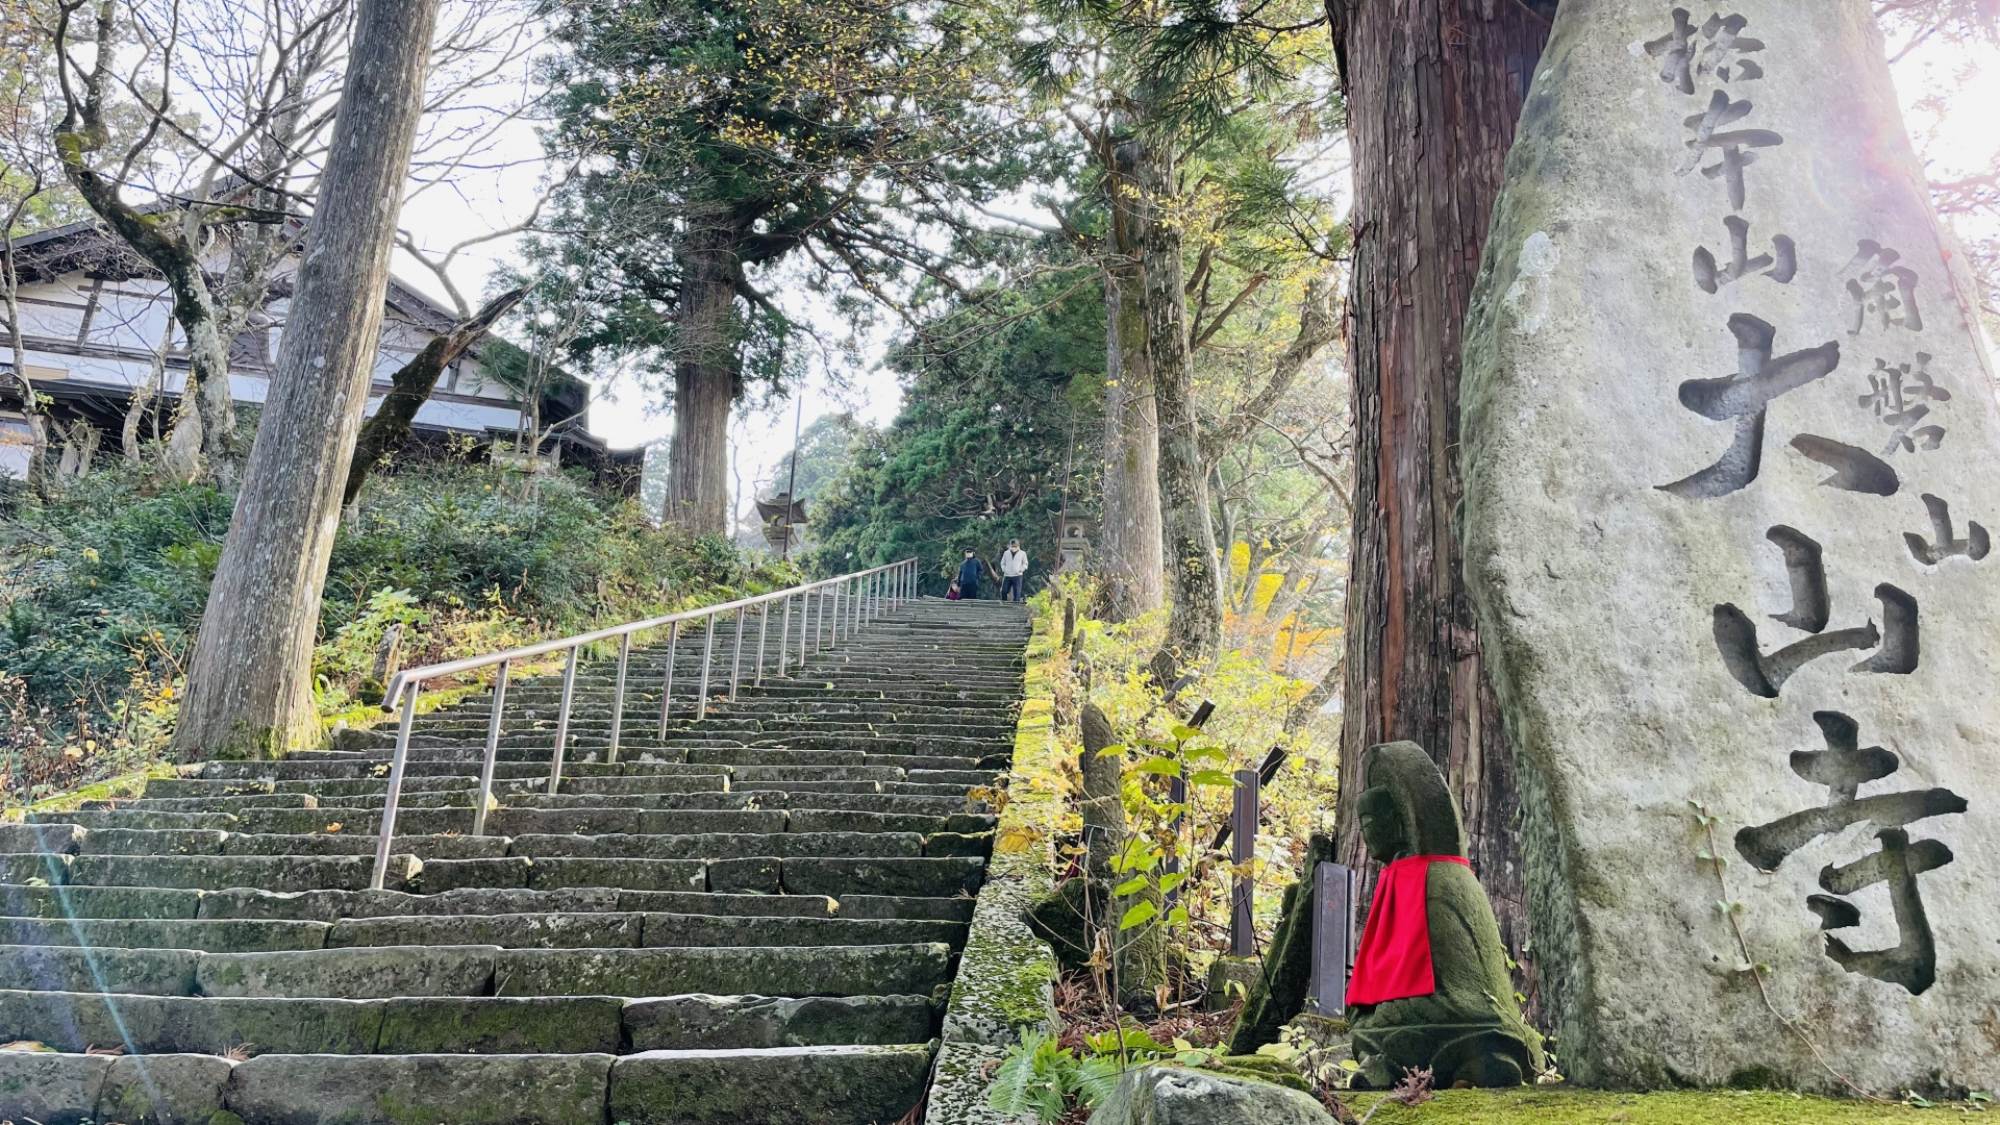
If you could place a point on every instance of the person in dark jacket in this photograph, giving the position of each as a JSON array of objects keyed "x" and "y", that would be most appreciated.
[{"x": 969, "y": 573}]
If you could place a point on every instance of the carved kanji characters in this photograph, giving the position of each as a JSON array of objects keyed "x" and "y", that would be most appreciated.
[
  {"x": 1764, "y": 674},
  {"x": 1731, "y": 147},
  {"x": 1891, "y": 387},
  {"x": 1718, "y": 47},
  {"x": 1742, "y": 398},
  {"x": 1945, "y": 545},
  {"x": 1881, "y": 289},
  {"x": 1781, "y": 265},
  {"x": 1844, "y": 767}
]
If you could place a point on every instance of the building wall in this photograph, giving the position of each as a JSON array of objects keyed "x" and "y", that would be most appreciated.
[{"x": 97, "y": 338}]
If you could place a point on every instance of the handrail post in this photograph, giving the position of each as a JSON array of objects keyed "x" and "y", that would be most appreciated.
[
  {"x": 707, "y": 649},
  {"x": 562, "y": 720},
  {"x": 667, "y": 691},
  {"x": 492, "y": 749},
  {"x": 393, "y": 797},
  {"x": 736, "y": 655},
  {"x": 819, "y": 619},
  {"x": 785, "y": 637},
  {"x": 618, "y": 699},
  {"x": 763, "y": 630}
]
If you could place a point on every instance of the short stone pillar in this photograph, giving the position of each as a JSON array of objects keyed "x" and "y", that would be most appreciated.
[{"x": 1729, "y": 436}]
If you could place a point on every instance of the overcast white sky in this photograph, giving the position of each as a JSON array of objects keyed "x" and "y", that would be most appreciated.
[{"x": 1950, "y": 94}]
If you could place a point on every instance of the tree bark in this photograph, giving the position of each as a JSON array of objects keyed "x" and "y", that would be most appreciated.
[
  {"x": 707, "y": 379},
  {"x": 17, "y": 346},
  {"x": 1434, "y": 91},
  {"x": 410, "y": 387},
  {"x": 1131, "y": 543},
  {"x": 249, "y": 685},
  {"x": 1195, "y": 581}
]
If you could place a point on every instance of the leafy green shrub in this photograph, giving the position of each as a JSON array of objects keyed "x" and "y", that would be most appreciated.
[{"x": 102, "y": 588}]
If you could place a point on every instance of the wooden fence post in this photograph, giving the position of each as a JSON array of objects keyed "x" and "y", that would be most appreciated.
[
  {"x": 1333, "y": 898},
  {"x": 1243, "y": 846}
]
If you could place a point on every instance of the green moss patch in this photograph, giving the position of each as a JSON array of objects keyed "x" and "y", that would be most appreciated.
[{"x": 1593, "y": 1107}]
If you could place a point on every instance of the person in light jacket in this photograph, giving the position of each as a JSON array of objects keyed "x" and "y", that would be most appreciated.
[{"x": 1013, "y": 571}]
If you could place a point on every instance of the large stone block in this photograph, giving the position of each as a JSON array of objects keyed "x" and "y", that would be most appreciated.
[
  {"x": 1729, "y": 428},
  {"x": 1163, "y": 1095},
  {"x": 166, "y": 1090},
  {"x": 781, "y": 1086},
  {"x": 51, "y": 1088},
  {"x": 407, "y": 1089}
]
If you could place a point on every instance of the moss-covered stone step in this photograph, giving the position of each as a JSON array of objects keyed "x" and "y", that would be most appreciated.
[
  {"x": 699, "y": 1021},
  {"x": 615, "y": 929},
  {"x": 214, "y": 872},
  {"x": 512, "y": 1089},
  {"x": 847, "y": 1085},
  {"x": 858, "y": 1085},
  {"x": 855, "y": 970},
  {"x": 138, "y": 1024},
  {"x": 382, "y": 972},
  {"x": 332, "y": 906},
  {"x": 212, "y": 935},
  {"x": 123, "y": 817},
  {"x": 21, "y": 901},
  {"x": 716, "y": 845}
]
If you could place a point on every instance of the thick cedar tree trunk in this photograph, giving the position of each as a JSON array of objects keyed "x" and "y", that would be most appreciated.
[
  {"x": 1434, "y": 90},
  {"x": 1193, "y": 578},
  {"x": 249, "y": 687},
  {"x": 707, "y": 379},
  {"x": 1130, "y": 553},
  {"x": 389, "y": 427}
]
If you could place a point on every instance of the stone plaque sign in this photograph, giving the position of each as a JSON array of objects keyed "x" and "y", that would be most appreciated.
[{"x": 1730, "y": 440}]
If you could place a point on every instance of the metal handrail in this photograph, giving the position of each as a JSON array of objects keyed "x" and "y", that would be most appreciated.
[{"x": 856, "y": 598}]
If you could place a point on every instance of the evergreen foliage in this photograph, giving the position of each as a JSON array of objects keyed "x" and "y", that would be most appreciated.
[{"x": 997, "y": 430}]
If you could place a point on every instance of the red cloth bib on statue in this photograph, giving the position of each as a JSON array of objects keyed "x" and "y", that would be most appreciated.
[{"x": 1395, "y": 958}]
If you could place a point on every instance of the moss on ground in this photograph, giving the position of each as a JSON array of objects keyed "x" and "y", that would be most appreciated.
[
  {"x": 124, "y": 785},
  {"x": 1595, "y": 1107}
]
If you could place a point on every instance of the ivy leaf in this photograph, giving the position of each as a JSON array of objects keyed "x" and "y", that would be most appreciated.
[{"x": 1138, "y": 914}]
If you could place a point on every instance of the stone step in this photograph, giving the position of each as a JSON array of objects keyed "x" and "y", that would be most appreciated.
[
  {"x": 377, "y": 972},
  {"x": 252, "y": 1026},
  {"x": 605, "y": 929},
  {"x": 828, "y": 1085},
  {"x": 911, "y": 876},
  {"x": 747, "y": 918},
  {"x": 331, "y": 906},
  {"x": 692, "y": 844}
]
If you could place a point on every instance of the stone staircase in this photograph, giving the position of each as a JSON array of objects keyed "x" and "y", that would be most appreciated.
[{"x": 753, "y": 919}]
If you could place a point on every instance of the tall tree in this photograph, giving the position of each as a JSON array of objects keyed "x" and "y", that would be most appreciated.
[
  {"x": 849, "y": 138},
  {"x": 1434, "y": 90},
  {"x": 250, "y": 682},
  {"x": 1166, "y": 96}
]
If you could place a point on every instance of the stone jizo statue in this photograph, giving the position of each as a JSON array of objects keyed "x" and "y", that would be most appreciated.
[{"x": 1430, "y": 986}]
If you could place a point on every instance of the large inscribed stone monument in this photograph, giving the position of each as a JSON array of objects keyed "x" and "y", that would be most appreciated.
[{"x": 1731, "y": 443}]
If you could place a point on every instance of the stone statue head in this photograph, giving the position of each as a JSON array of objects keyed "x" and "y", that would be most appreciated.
[{"x": 1406, "y": 808}]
